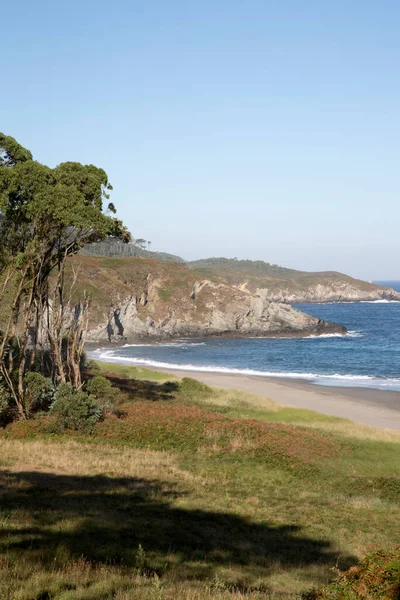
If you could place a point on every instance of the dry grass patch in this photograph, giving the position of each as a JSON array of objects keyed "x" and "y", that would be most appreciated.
[
  {"x": 349, "y": 429},
  {"x": 239, "y": 399},
  {"x": 77, "y": 458}
]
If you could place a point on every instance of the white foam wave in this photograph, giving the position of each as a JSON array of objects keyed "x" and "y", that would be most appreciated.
[
  {"x": 305, "y": 337},
  {"x": 379, "y": 301},
  {"x": 178, "y": 344},
  {"x": 351, "y": 302},
  {"x": 352, "y": 334},
  {"x": 318, "y": 378}
]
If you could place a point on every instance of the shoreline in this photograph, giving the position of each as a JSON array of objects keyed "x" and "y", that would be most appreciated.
[
  {"x": 333, "y": 329},
  {"x": 371, "y": 407}
]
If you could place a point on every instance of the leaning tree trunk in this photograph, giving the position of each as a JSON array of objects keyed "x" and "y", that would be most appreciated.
[
  {"x": 76, "y": 341},
  {"x": 67, "y": 324},
  {"x": 55, "y": 324},
  {"x": 15, "y": 285}
]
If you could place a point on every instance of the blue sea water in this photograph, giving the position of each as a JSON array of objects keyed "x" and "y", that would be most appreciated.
[{"x": 369, "y": 355}]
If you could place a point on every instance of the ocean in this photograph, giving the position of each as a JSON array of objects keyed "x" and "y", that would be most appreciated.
[{"x": 368, "y": 356}]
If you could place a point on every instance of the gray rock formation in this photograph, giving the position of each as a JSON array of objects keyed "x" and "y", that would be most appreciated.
[{"x": 207, "y": 308}]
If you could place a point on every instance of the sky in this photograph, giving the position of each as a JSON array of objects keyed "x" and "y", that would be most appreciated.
[{"x": 257, "y": 129}]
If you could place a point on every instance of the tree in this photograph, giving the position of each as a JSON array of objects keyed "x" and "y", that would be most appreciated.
[
  {"x": 141, "y": 243},
  {"x": 45, "y": 216}
]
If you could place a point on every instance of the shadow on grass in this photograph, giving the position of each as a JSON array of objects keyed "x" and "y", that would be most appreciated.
[
  {"x": 60, "y": 518},
  {"x": 142, "y": 389}
]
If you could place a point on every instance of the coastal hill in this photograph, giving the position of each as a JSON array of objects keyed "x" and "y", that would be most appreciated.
[
  {"x": 279, "y": 284},
  {"x": 135, "y": 298},
  {"x": 271, "y": 282}
]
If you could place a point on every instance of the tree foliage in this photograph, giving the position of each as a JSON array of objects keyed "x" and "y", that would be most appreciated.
[
  {"x": 11, "y": 152},
  {"x": 46, "y": 214}
]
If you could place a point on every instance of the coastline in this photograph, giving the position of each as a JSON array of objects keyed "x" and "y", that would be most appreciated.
[
  {"x": 371, "y": 407},
  {"x": 333, "y": 329}
]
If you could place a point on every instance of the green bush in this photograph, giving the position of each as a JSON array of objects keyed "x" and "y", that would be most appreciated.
[
  {"x": 39, "y": 392},
  {"x": 5, "y": 404},
  {"x": 92, "y": 367},
  {"x": 193, "y": 388},
  {"x": 101, "y": 389},
  {"x": 75, "y": 410}
]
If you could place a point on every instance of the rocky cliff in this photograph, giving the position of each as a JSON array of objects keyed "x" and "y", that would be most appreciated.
[
  {"x": 335, "y": 290},
  {"x": 138, "y": 298}
]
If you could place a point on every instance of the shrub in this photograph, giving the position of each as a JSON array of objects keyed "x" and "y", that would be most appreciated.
[
  {"x": 39, "y": 392},
  {"x": 92, "y": 367},
  {"x": 5, "y": 405},
  {"x": 30, "y": 428},
  {"x": 75, "y": 410},
  {"x": 192, "y": 388},
  {"x": 377, "y": 577},
  {"x": 4, "y": 398},
  {"x": 101, "y": 389}
]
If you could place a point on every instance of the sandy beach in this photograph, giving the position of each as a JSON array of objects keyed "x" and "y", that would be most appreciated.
[{"x": 368, "y": 406}]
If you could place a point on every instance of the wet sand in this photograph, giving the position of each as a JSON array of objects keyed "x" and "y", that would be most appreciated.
[{"x": 368, "y": 406}]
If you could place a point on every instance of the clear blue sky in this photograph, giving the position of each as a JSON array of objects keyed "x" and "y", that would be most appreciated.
[{"x": 255, "y": 129}]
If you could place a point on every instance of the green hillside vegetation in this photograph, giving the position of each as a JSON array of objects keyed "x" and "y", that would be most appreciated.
[
  {"x": 114, "y": 248},
  {"x": 258, "y": 273},
  {"x": 190, "y": 492},
  {"x": 108, "y": 280},
  {"x": 254, "y": 273},
  {"x": 254, "y": 267}
]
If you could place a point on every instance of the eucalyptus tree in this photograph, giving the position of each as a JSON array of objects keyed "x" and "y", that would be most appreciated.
[
  {"x": 141, "y": 243},
  {"x": 46, "y": 214}
]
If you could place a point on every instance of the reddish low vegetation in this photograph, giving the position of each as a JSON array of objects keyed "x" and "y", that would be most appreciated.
[{"x": 170, "y": 426}]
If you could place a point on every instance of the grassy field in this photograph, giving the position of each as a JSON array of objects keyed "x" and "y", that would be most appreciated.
[{"x": 192, "y": 493}]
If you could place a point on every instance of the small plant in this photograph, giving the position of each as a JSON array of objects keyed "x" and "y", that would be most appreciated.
[
  {"x": 157, "y": 593},
  {"x": 75, "y": 410},
  {"x": 141, "y": 563},
  {"x": 217, "y": 585},
  {"x": 191, "y": 387}
]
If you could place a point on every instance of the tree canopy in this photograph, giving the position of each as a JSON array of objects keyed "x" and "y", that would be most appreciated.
[
  {"x": 46, "y": 214},
  {"x": 52, "y": 210}
]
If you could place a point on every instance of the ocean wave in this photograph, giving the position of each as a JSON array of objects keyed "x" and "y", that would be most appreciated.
[
  {"x": 304, "y": 337},
  {"x": 177, "y": 344},
  {"x": 337, "y": 379},
  {"x": 348, "y": 302},
  {"x": 379, "y": 301},
  {"x": 352, "y": 334}
]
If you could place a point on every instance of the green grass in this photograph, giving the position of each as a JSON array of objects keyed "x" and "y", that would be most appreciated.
[
  {"x": 140, "y": 373},
  {"x": 193, "y": 493}
]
